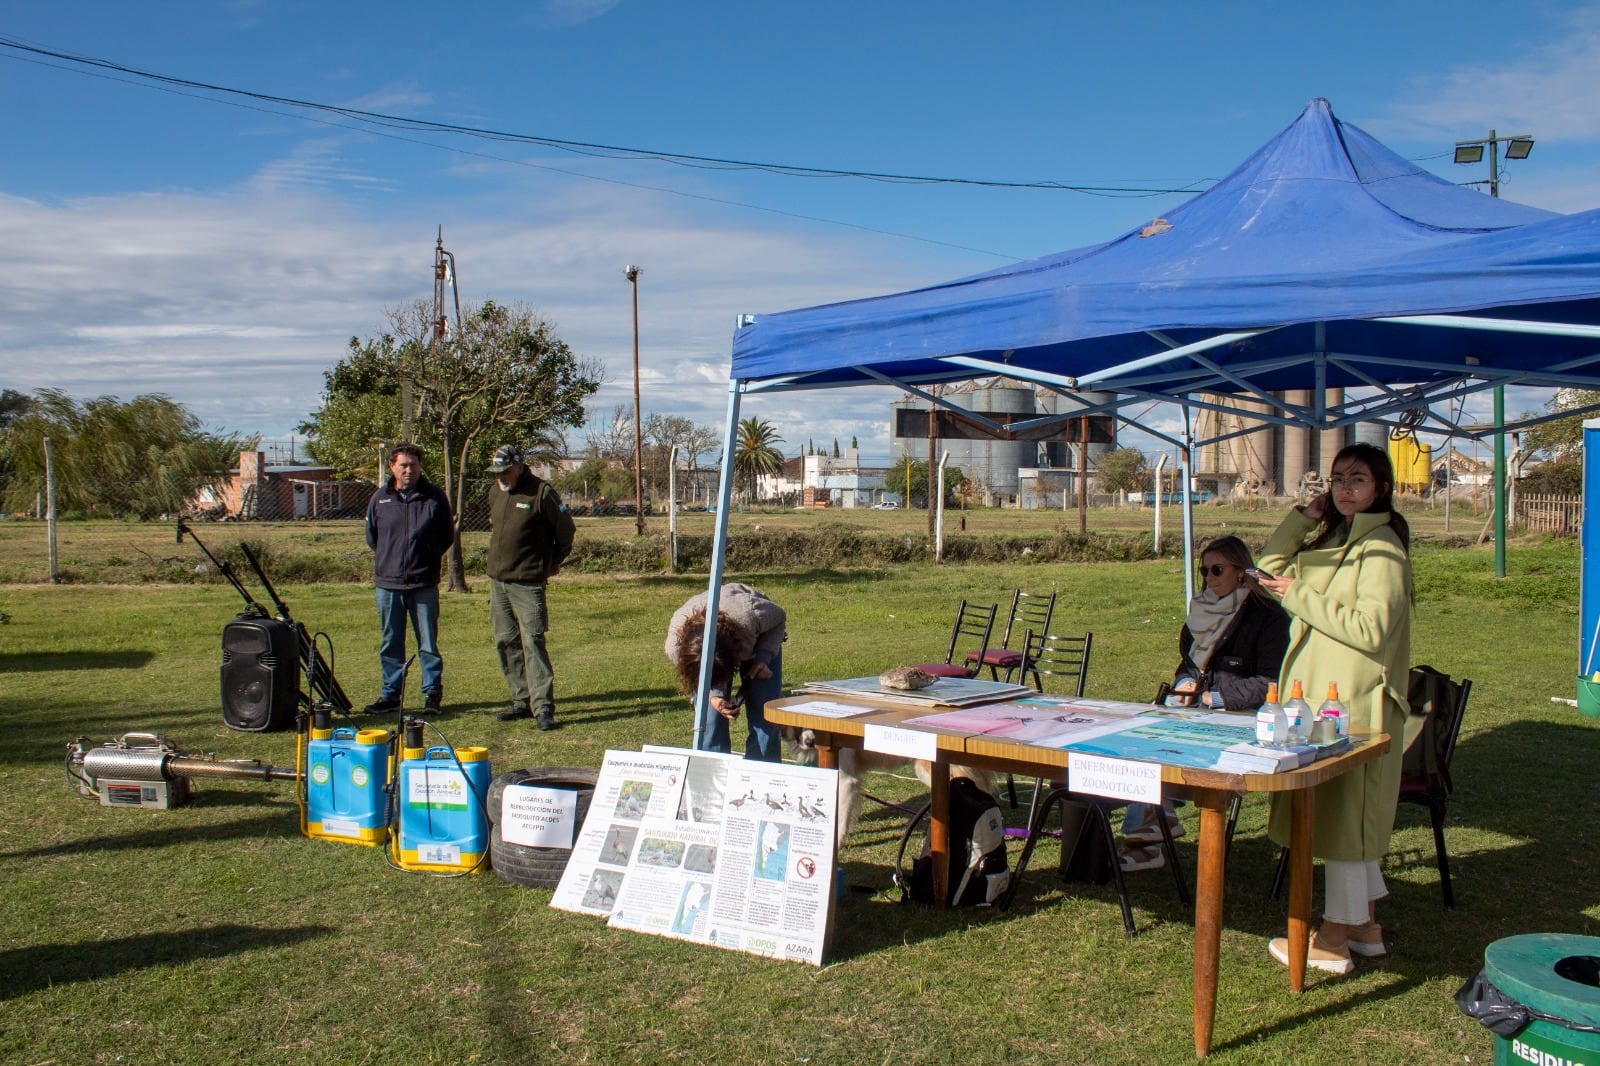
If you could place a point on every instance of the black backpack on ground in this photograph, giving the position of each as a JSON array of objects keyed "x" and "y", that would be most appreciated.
[{"x": 978, "y": 873}]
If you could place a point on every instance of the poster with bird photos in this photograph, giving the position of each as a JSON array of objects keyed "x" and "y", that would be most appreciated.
[{"x": 709, "y": 848}]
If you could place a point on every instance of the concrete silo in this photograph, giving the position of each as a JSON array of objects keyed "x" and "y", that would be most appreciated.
[
  {"x": 1297, "y": 445},
  {"x": 1245, "y": 462},
  {"x": 994, "y": 463}
]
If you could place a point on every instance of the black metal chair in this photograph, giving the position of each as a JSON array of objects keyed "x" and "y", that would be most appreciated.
[
  {"x": 969, "y": 642},
  {"x": 1030, "y": 612},
  {"x": 1426, "y": 780},
  {"x": 1066, "y": 658}
]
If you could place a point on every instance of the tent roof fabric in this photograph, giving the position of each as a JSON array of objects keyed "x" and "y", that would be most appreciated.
[{"x": 1316, "y": 238}]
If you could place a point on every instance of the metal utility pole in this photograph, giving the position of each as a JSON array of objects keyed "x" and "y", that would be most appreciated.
[
  {"x": 1472, "y": 152},
  {"x": 632, "y": 273},
  {"x": 444, "y": 277}
]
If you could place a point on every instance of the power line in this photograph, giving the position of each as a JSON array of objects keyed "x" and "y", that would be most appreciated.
[{"x": 402, "y": 122}]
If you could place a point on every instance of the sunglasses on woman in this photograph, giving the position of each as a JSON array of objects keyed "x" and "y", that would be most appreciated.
[{"x": 1215, "y": 569}]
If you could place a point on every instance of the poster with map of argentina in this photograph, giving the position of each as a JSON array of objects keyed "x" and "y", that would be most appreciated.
[{"x": 1177, "y": 742}]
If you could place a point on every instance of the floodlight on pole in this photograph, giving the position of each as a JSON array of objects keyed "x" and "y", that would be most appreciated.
[
  {"x": 632, "y": 274},
  {"x": 1473, "y": 152}
]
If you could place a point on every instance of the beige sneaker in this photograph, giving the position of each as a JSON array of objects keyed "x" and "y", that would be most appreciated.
[
  {"x": 1367, "y": 941},
  {"x": 1321, "y": 957}
]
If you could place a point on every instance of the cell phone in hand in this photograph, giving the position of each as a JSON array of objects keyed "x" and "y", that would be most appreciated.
[{"x": 1260, "y": 574}]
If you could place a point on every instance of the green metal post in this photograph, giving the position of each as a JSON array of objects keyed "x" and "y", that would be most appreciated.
[{"x": 1499, "y": 481}]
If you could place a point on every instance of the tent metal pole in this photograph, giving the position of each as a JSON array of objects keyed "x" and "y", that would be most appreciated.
[
  {"x": 719, "y": 553},
  {"x": 1188, "y": 508},
  {"x": 1094, "y": 380}
]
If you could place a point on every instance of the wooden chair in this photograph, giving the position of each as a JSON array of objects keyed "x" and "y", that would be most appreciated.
[
  {"x": 1426, "y": 780},
  {"x": 1029, "y": 612},
  {"x": 969, "y": 642}
]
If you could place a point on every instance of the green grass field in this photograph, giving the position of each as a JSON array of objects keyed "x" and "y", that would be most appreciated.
[{"x": 216, "y": 932}]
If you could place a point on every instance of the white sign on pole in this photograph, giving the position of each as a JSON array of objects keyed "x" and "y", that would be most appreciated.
[
  {"x": 1123, "y": 779},
  {"x": 539, "y": 817}
]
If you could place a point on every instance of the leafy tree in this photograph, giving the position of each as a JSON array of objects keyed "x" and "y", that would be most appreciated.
[
  {"x": 1563, "y": 437},
  {"x": 146, "y": 457},
  {"x": 504, "y": 377},
  {"x": 13, "y": 405},
  {"x": 1123, "y": 470},
  {"x": 755, "y": 453},
  {"x": 909, "y": 476},
  {"x": 360, "y": 406}
]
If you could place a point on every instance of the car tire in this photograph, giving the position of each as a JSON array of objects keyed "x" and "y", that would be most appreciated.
[
  {"x": 575, "y": 778},
  {"x": 520, "y": 864}
]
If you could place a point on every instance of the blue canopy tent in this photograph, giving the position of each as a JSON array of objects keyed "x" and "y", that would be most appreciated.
[{"x": 1324, "y": 261}]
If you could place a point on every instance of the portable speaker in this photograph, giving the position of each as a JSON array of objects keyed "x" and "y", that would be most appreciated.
[{"x": 260, "y": 674}]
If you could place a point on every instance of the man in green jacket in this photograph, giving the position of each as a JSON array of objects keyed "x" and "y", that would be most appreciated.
[{"x": 530, "y": 536}]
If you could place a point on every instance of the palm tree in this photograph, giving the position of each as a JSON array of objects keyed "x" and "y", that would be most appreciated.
[{"x": 755, "y": 453}]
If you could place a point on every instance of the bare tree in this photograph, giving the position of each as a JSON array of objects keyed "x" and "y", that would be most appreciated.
[{"x": 612, "y": 440}]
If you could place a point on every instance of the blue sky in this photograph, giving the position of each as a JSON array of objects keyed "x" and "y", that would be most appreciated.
[{"x": 223, "y": 250}]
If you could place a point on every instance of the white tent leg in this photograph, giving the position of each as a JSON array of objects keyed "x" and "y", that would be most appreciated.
[{"x": 719, "y": 551}]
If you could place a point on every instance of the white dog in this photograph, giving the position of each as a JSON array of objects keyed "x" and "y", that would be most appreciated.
[{"x": 854, "y": 763}]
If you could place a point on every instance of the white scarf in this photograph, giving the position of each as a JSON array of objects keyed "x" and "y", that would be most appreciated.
[{"x": 1209, "y": 615}]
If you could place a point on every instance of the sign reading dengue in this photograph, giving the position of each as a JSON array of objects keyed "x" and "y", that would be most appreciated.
[
  {"x": 539, "y": 817},
  {"x": 704, "y": 847}
]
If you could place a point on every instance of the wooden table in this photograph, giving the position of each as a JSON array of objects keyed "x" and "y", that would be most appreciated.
[{"x": 1212, "y": 791}]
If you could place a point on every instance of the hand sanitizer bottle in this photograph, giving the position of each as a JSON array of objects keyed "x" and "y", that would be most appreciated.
[
  {"x": 1333, "y": 711},
  {"x": 1299, "y": 713},
  {"x": 1272, "y": 725}
]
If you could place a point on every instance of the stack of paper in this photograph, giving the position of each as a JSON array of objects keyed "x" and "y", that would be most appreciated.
[{"x": 1258, "y": 759}]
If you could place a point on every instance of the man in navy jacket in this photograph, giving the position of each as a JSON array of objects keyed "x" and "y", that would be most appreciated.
[{"x": 409, "y": 528}]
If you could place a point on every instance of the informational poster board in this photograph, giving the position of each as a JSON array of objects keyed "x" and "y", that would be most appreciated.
[{"x": 709, "y": 848}]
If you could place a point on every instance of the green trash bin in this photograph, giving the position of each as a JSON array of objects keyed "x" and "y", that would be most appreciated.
[{"x": 1556, "y": 977}]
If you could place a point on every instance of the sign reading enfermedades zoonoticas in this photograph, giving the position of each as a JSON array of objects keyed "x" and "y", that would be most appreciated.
[{"x": 710, "y": 848}]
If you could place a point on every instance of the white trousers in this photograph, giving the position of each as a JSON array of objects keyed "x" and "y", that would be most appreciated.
[{"x": 1350, "y": 889}]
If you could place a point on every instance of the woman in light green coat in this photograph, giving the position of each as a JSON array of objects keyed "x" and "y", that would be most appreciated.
[{"x": 1348, "y": 594}]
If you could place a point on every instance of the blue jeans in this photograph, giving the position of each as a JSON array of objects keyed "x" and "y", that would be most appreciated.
[
  {"x": 421, "y": 606},
  {"x": 763, "y": 742},
  {"x": 518, "y": 614}
]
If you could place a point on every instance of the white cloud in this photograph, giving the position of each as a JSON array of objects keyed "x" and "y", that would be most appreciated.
[
  {"x": 573, "y": 12},
  {"x": 235, "y": 303},
  {"x": 1546, "y": 90}
]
